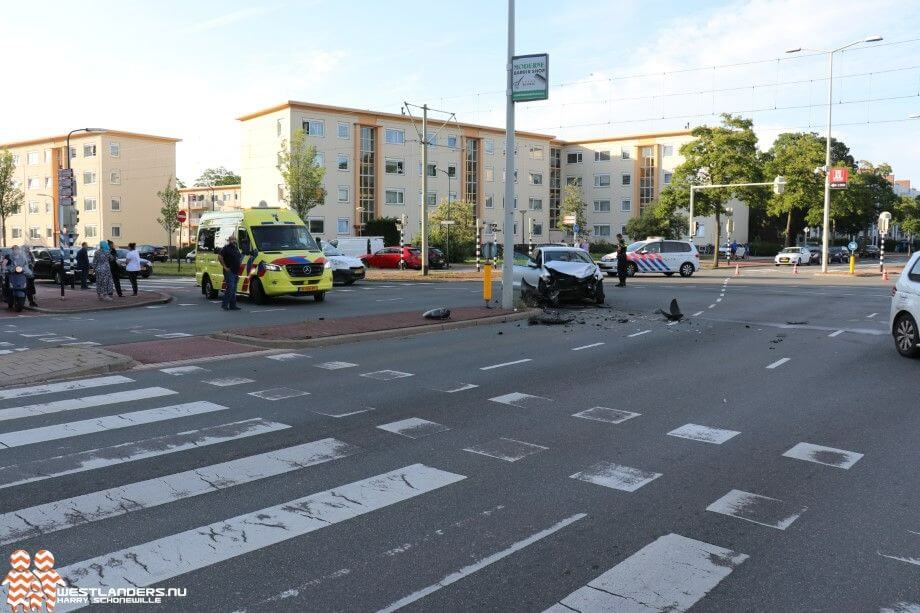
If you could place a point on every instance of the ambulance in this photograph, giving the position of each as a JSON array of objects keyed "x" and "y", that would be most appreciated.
[
  {"x": 655, "y": 255},
  {"x": 280, "y": 258}
]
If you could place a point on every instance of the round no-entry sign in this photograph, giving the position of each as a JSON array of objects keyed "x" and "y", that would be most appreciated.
[{"x": 181, "y": 216}]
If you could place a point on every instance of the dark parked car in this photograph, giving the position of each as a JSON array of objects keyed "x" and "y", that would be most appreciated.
[
  {"x": 869, "y": 251},
  {"x": 838, "y": 254},
  {"x": 436, "y": 258},
  {"x": 153, "y": 253},
  {"x": 48, "y": 264},
  {"x": 121, "y": 257}
]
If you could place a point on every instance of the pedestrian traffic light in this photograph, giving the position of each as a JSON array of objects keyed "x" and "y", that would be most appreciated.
[{"x": 70, "y": 216}]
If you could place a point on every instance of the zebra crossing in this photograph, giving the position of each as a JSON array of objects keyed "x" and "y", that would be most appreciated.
[{"x": 671, "y": 572}]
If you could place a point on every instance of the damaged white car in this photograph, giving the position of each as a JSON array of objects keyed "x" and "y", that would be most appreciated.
[{"x": 557, "y": 273}]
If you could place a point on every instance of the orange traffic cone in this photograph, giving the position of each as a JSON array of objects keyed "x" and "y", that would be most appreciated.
[
  {"x": 737, "y": 270},
  {"x": 795, "y": 268},
  {"x": 884, "y": 274}
]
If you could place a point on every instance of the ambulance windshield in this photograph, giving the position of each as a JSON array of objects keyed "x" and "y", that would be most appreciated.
[{"x": 283, "y": 238}]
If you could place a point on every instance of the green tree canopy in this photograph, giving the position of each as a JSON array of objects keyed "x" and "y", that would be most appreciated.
[
  {"x": 171, "y": 198},
  {"x": 10, "y": 194},
  {"x": 462, "y": 231},
  {"x": 212, "y": 177},
  {"x": 868, "y": 193},
  {"x": 907, "y": 215},
  {"x": 573, "y": 203},
  {"x": 303, "y": 177},
  {"x": 659, "y": 219}
]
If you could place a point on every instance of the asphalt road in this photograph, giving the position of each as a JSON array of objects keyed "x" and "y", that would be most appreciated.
[{"x": 614, "y": 463}]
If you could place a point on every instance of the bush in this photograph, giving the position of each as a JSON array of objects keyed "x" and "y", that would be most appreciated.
[
  {"x": 602, "y": 248},
  {"x": 385, "y": 227},
  {"x": 763, "y": 248}
]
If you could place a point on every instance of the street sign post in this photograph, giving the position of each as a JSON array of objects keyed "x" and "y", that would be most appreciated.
[
  {"x": 181, "y": 216},
  {"x": 853, "y": 246},
  {"x": 838, "y": 178}
]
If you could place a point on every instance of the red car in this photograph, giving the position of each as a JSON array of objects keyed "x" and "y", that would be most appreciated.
[{"x": 389, "y": 258}]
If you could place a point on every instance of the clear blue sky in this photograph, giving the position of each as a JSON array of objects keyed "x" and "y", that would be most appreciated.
[{"x": 186, "y": 69}]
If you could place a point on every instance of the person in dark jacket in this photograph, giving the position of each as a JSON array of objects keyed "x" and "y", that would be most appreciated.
[
  {"x": 116, "y": 269},
  {"x": 83, "y": 265},
  {"x": 621, "y": 260}
]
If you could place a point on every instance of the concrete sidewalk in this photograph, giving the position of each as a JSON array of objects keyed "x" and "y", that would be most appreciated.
[{"x": 41, "y": 365}]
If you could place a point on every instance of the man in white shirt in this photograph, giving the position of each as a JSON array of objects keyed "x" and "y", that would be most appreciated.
[{"x": 133, "y": 265}]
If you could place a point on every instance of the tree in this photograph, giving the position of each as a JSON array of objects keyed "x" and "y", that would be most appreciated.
[
  {"x": 659, "y": 219},
  {"x": 211, "y": 177},
  {"x": 907, "y": 215},
  {"x": 170, "y": 197},
  {"x": 180, "y": 183},
  {"x": 303, "y": 177},
  {"x": 795, "y": 156},
  {"x": 573, "y": 203},
  {"x": 462, "y": 231},
  {"x": 720, "y": 155},
  {"x": 868, "y": 193},
  {"x": 10, "y": 194}
]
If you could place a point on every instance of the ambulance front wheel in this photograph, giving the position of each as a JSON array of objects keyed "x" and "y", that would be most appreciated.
[
  {"x": 319, "y": 296},
  {"x": 631, "y": 270},
  {"x": 257, "y": 292},
  {"x": 207, "y": 288}
]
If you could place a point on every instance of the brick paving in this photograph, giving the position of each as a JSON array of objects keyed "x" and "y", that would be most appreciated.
[
  {"x": 48, "y": 297},
  {"x": 38, "y": 365},
  {"x": 154, "y": 352}
]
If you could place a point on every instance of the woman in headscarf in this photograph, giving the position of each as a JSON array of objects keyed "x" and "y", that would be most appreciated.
[{"x": 104, "y": 285}]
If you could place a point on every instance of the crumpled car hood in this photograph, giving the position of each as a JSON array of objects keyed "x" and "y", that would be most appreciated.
[{"x": 579, "y": 270}]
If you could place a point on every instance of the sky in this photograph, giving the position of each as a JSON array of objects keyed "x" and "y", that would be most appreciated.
[{"x": 188, "y": 69}]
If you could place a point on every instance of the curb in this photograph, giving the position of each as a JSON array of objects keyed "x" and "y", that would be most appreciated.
[
  {"x": 374, "y": 335},
  {"x": 203, "y": 360},
  {"x": 123, "y": 364},
  {"x": 163, "y": 299}
]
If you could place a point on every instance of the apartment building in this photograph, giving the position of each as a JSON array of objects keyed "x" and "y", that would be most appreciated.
[
  {"x": 373, "y": 168},
  {"x": 117, "y": 174},
  {"x": 198, "y": 200}
]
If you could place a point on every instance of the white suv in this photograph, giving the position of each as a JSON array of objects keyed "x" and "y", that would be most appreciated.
[{"x": 905, "y": 309}]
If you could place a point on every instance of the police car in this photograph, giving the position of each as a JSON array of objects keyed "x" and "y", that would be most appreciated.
[{"x": 655, "y": 255}]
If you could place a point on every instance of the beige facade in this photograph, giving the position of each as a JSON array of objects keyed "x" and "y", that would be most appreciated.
[
  {"x": 118, "y": 175},
  {"x": 198, "y": 200},
  {"x": 373, "y": 164}
]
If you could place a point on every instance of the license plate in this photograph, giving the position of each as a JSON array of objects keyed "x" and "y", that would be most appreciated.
[{"x": 306, "y": 288}]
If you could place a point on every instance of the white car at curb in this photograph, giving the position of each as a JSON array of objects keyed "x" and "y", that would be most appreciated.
[
  {"x": 905, "y": 309},
  {"x": 345, "y": 269},
  {"x": 793, "y": 255}
]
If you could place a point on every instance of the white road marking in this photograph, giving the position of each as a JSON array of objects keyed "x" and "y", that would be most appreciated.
[
  {"x": 34, "y": 335},
  {"x": 268, "y": 310},
  {"x": 507, "y": 449},
  {"x": 902, "y": 607},
  {"x": 188, "y": 304},
  {"x": 413, "y": 427},
  {"x": 284, "y": 357},
  {"x": 671, "y": 573},
  {"x": 335, "y": 365},
  {"x": 461, "y": 388},
  {"x": 697, "y": 314},
  {"x": 704, "y": 434},
  {"x": 81, "y": 344},
  {"x": 909, "y": 550},
  {"x": 587, "y": 346},
  {"x": 503, "y": 364},
  {"x": 718, "y": 300},
  {"x": 340, "y": 415},
  {"x": 829, "y": 456},
  {"x": 835, "y": 333},
  {"x": 84, "y": 402},
  {"x": 69, "y": 512},
  {"x": 178, "y": 371},
  {"x": 155, "y": 306},
  {"x": 711, "y": 306},
  {"x": 468, "y": 570},
  {"x": 66, "y": 386},
  {"x": 386, "y": 375},
  {"x": 103, "y": 424},
  {"x": 57, "y": 339},
  {"x": 177, "y": 554},
  {"x": 871, "y": 315},
  {"x": 757, "y": 509},
  {"x": 616, "y": 476},
  {"x": 173, "y": 335},
  {"x": 228, "y": 381},
  {"x": 610, "y": 416},
  {"x": 777, "y": 363},
  {"x": 518, "y": 399},
  {"x": 672, "y": 323},
  {"x": 278, "y": 393},
  {"x": 638, "y": 333}
]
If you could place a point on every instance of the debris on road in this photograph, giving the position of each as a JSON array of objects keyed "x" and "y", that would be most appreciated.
[
  {"x": 674, "y": 314},
  {"x": 438, "y": 313}
]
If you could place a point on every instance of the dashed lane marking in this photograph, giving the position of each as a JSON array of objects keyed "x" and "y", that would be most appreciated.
[
  {"x": 757, "y": 509},
  {"x": 587, "y": 346},
  {"x": 638, "y": 333},
  {"x": 777, "y": 363},
  {"x": 503, "y": 364},
  {"x": 178, "y": 371},
  {"x": 616, "y": 476},
  {"x": 520, "y": 400},
  {"x": 284, "y": 357},
  {"x": 386, "y": 375},
  {"x": 711, "y": 306},
  {"x": 278, "y": 393},
  {"x": 610, "y": 416},
  {"x": 335, "y": 365},
  {"x": 506, "y": 449},
  {"x": 835, "y": 333},
  {"x": 228, "y": 381},
  {"x": 704, "y": 434},
  {"x": 697, "y": 314},
  {"x": 871, "y": 315},
  {"x": 461, "y": 388},
  {"x": 413, "y": 427},
  {"x": 829, "y": 456}
]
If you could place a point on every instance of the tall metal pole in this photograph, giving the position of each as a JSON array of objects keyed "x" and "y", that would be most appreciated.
[
  {"x": 508, "y": 255},
  {"x": 825, "y": 239},
  {"x": 447, "y": 263},
  {"x": 425, "y": 190},
  {"x": 690, "y": 228}
]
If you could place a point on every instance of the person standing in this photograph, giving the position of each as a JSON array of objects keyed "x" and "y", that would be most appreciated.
[
  {"x": 733, "y": 249},
  {"x": 621, "y": 260},
  {"x": 103, "y": 267},
  {"x": 115, "y": 267},
  {"x": 230, "y": 259},
  {"x": 30, "y": 274},
  {"x": 133, "y": 266},
  {"x": 83, "y": 265}
]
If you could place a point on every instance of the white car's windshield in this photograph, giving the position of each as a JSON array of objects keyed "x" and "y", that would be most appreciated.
[
  {"x": 331, "y": 251},
  {"x": 790, "y": 250},
  {"x": 566, "y": 256}
]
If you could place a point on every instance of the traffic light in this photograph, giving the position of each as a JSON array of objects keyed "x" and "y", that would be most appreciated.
[{"x": 70, "y": 217}]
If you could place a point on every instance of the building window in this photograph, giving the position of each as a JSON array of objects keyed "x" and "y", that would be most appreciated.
[
  {"x": 73, "y": 153},
  {"x": 116, "y": 231},
  {"x": 573, "y": 158},
  {"x": 317, "y": 225},
  {"x": 627, "y": 179},
  {"x": 16, "y": 232},
  {"x": 576, "y": 181},
  {"x": 601, "y": 180},
  {"x": 601, "y": 156},
  {"x": 342, "y": 225},
  {"x": 555, "y": 185},
  {"x": 33, "y": 207},
  {"x": 90, "y": 231},
  {"x": 536, "y": 178},
  {"x": 319, "y": 159},
  {"x": 367, "y": 175},
  {"x": 489, "y": 174},
  {"x": 667, "y": 150},
  {"x": 114, "y": 149},
  {"x": 624, "y": 154},
  {"x": 32, "y": 158},
  {"x": 395, "y": 196},
  {"x": 115, "y": 204},
  {"x": 393, "y": 166},
  {"x": 49, "y": 233},
  {"x": 536, "y": 153},
  {"x": 451, "y": 170},
  {"x": 490, "y": 202},
  {"x": 278, "y": 129},
  {"x": 314, "y": 127},
  {"x": 490, "y": 146},
  {"x": 452, "y": 141},
  {"x": 89, "y": 151},
  {"x": 343, "y": 194},
  {"x": 626, "y": 206},
  {"x": 432, "y": 170},
  {"x": 667, "y": 178},
  {"x": 89, "y": 177},
  {"x": 601, "y": 206},
  {"x": 47, "y": 156},
  {"x": 47, "y": 207},
  {"x": 89, "y": 204},
  {"x": 536, "y": 229},
  {"x": 35, "y": 233},
  {"x": 344, "y": 131},
  {"x": 431, "y": 198},
  {"x": 647, "y": 172},
  {"x": 535, "y": 204},
  {"x": 395, "y": 137},
  {"x": 115, "y": 177},
  {"x": 47, "y": 182},
  {"x": 15, "y": 159},
  {"x": 341, "y": 161},
  {"x": 432, "y": 138},
  {"x": 33, "y": 183},
  {"x": 602, "y": 230},
  {"x": 472, "y": 170}
]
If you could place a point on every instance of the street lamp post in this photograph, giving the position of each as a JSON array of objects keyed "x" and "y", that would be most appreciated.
[{"x": 825, "y": 239}]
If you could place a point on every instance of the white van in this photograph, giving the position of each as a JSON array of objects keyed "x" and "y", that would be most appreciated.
[{"x": 356, "y": 246}]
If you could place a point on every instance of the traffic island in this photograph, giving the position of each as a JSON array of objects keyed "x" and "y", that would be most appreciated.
[
  {"x": 180, "y": 350},
  {"x": 323, "y": 332},
  {"x": 79, "y": 300},
  {"x": 42, "y": 365},
  {"x": 465, "y": 273}
]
